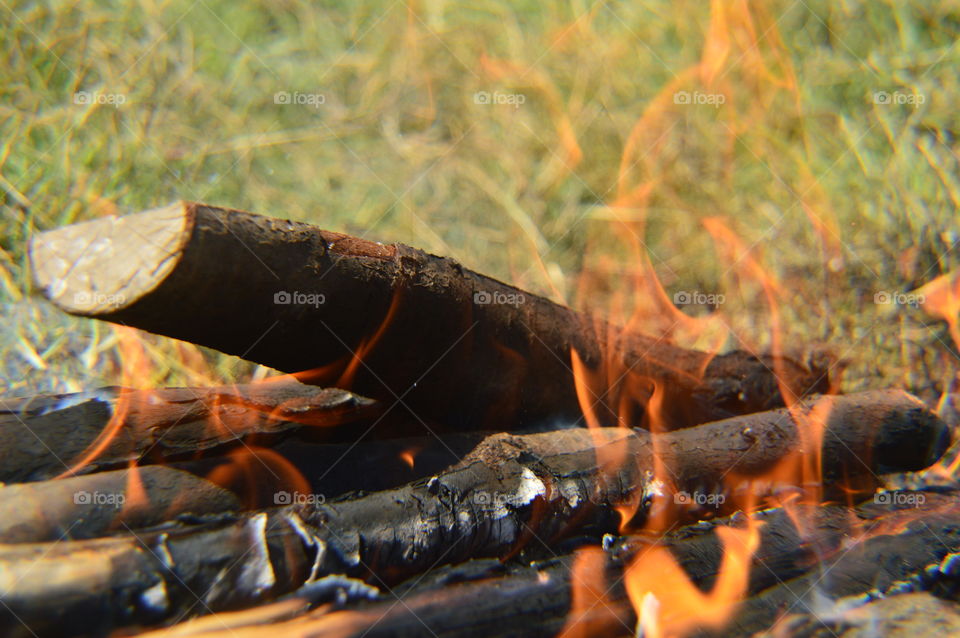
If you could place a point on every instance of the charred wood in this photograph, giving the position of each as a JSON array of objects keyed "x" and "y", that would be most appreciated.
[
  {"x": 47, "y": 436},
  {"x": 528, "y": 491},
  {"x": 483, "y": 598}
]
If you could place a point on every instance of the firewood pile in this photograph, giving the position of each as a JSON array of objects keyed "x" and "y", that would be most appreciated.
[{"x": 442, "y": 457}]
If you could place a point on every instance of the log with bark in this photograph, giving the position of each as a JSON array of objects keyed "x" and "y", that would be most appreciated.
[
  {"x": 900, "y": 556},
  {"x": 387, "y": 321},
  {"x": 93, "y": 587},
  {"x": 583, "y": 594},
  {"x": 527, "y": 491},
  {"x": 98, "y": 504},
  {"x": 46, "y": 436},
  {"x": 513, "y": 493},
  {"x": 900, "y": 616}
]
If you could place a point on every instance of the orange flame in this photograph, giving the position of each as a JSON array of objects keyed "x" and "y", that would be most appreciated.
[
  {"x": 259, "y": 474},
  {"x": 409, "y": 455},
  {"x": 135, "y": 364},
  {"x": 592, "y": 612},
  {"x": 941, "y": 299},
  {"x": 669, "y": 604}
]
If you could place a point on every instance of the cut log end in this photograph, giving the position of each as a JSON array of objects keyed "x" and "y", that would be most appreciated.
[{"x": 105, "y": 264}]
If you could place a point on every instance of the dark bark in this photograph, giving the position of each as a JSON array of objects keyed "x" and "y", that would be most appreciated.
[
  {"x": 93, "y": 587},
  {"x": 485, "y": 598},
  {"x": 97, "y": 504},
  {"x": 528, "y": 491},
  {"x": 423, "y": 327},
  {"x": 47, "y": 436},
  {"x": 784, "y": 551},
  {"x": 512, "y": 493},
  {"x": 901, "y": 616},
  {"x": 898, "y": 558}
]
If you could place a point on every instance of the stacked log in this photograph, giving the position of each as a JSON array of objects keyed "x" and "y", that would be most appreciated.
[{"x": 460, "y": 492}]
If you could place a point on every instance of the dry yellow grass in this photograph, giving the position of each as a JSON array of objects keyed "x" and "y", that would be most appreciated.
[{"x": 801, "y": 152}]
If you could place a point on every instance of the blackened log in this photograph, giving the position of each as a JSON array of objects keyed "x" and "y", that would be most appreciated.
[
  {"x": 792, "y": 542},
  {"x": 784, "y": 551},
  {"x": 97, "y": 504},
  {"x": 513, "y": 492},
  {"x": 898, "y": 558},
  {"x": 93, "y": 587},
  {"x": 386, "y": 321},
  {"x": 476, "y": 599},
  {"x": 489, "y": 599},
  {"x": 900, "y": 616},
  {"x": 47, "y": 436},
  {"x": 528, "y": 491}
]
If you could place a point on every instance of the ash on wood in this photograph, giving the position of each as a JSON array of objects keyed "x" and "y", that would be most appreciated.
[
  {"x": 387, "y": 321},
  {"x": 48, "y": 436}
]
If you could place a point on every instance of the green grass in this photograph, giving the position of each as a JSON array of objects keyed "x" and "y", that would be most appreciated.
[{"x": 533, "y": 193}]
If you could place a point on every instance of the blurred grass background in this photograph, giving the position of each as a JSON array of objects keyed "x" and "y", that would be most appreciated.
[{"x": 552, "y": 145}]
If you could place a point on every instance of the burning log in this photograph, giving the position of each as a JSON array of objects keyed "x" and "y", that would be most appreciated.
[
  {"x": 387, "y": 321},
  {"x": 488, "y": 599},
  {"x": 914, "y": 614},
  {"x": 47, "y": 436},
  {"x": 784, "y": 551},
  {"x": 474, "y": 600},
  {"x": 512, "y": 493},
  {"x": 92, "y": 587},
  {"x": 519, "y": 490},
  {"x": 897, "y": 558},
  {"x": 804, "y": 540},
  {"x": 95, "y": 505}
]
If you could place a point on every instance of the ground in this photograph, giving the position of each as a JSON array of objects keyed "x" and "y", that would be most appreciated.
[{"x": 786, "y": 172}]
